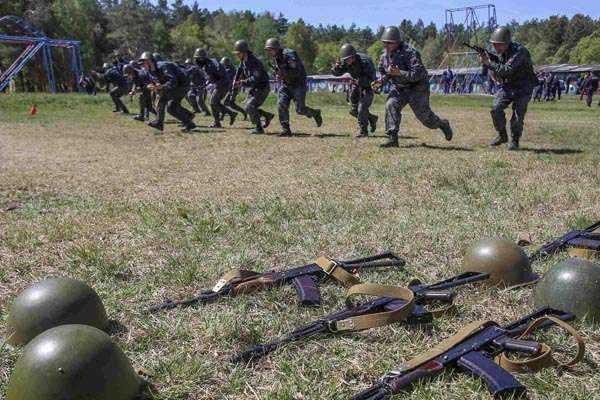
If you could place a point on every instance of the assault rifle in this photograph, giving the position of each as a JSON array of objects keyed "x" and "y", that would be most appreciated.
[
  {"x": 577, "y": 237},
  {"x": 473, "y": 350},
  {"x": 344, "y": 320},
  {"x": 243, "y": 281},
  {"x": 481, "y": 51}
]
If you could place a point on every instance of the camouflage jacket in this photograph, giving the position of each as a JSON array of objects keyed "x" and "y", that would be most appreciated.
[
  {"x": 412, "y": 71},
  {"x": 170, "y": 76},
  {"x": 196, "y": 76},
  {"x": 290, "y": 67},
  {"x": 114, "y": 77},
  {"x": 142, "y": 79},
  {"x": 215, "y": 73},
  {"x": 515, "y": 69},
  {"x": 253, "y": 73},
  {"x": 363, "y": 70}
]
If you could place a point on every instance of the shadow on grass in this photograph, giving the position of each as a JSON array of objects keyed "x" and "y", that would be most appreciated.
[
  {"x": 435, "y": 147},
  {"x": 552, "y": 151}
]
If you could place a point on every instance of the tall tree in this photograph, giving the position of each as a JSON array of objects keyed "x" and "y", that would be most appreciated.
[{"x": 299, "y": 37}]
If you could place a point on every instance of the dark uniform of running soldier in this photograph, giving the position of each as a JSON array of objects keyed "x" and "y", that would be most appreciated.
[
  {"x": 196, "y": 94},
  {"x": 589, "y": 88},
  {"x": 362, "y": 70},
  {"x": 401, "y": 66},
  {"x": 171, "y": 84},
  {"x": 114, "y": 76},
  {"x": 515, "y": 75},
  {"x": 140, "y": 79},
  {"x": 290, "y": 71},
  {"x": 252, "y": 74},
  {"x": 216, "y": 76},
  {"x": 232, "y": 95}
]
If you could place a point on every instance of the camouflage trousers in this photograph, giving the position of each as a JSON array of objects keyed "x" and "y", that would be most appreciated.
[
  {"x": 298, "y": 95},
  {"x": 256, "y": 98},
  {"x": 196, "y": 96},
  {"x": 216, "y": 105},
  {"x": 171, "y": 103},
  {"x": 360, "y": 102},
  {"x": 519, "y": 102},
  {"x": 418, "y": 99},
  {"x": 115, "y": 94}
]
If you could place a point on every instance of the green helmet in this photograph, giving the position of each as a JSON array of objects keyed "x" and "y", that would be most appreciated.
[
  {"x": 241, "y": 46},
  {"x": 147, "y": 56},
  {"x": 226, "y": 61},
  {"x": 200, "y": 54},
  {"x": 501, "y": 35},
  {"x": 347, "y": 51},
  {"x": 273, "y": 43},
  {"x": 106, "y": 66},
  {"x": 573, "y": 286},
  {"x": 157, "y": 56},
  {"x": 392, "y": 34},
  {"x": 505, "y": 261},
  {"x": 54, "y": 302},
  {"x": 76, "y": 362}
]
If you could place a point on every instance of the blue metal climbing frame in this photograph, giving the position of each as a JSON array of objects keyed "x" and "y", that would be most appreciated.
[{"x": 35, "y": 42}]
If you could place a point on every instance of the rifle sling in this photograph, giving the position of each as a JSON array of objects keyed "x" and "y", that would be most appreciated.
[
  {"x": 329, "y": 266},
  {"x": 374, "y": 320},
  {"x": 442, "y": 347},
  {"x": 545, "y": 359},
  {"x": 336, "y": 271}
]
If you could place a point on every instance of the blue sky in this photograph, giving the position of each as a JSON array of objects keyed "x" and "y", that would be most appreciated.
[{"x": 385, "y": 12}]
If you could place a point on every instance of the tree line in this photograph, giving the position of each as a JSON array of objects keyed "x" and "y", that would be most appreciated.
[{"x": 128, "y": 27}]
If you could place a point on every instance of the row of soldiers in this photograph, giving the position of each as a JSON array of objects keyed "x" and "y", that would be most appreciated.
[{"x": 400, "y": 70}]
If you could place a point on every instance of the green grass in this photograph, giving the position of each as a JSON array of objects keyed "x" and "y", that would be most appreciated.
[{"x": 144, "y": 217}]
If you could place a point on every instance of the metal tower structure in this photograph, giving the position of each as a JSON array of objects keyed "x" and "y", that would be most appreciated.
[
  {"x": 36, "y": 42},
  {"x": 471, "y": 22}
]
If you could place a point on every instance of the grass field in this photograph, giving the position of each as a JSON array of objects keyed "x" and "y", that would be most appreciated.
[{"x": 145, "y": 217}]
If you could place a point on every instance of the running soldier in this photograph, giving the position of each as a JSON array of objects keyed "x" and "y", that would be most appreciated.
[
  {"x": 290, "y": 71},
  {"x": 232, "y": 95},
  {"x": 140, "y": 79},
  {"x": 516, "y": 77},
  {"x": 362, "y": 70},
  {"x": 114, "y": 76},
  {"x": 196, "y": 95},
  {"x": 252, "y": 74},
  {"x": 217, "y": 77},
  {"x": 401, "y": 66}
]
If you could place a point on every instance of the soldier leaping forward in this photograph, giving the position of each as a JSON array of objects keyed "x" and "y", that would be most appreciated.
[{"x": 401, "y": 66}]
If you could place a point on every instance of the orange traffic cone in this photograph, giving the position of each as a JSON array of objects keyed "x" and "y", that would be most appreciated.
[{"x": 33, "y": 110}]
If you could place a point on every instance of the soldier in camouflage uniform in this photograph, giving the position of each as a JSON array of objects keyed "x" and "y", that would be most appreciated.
[
  {"x": 401, "y": 66},
  {"x": 230, "y": 99},
  {"x": 116, "y": 85},
  {"x": 362, "y": 70},
  {"x": 171, "y": 83},
  {"x": 516, "y": 77},
  {"x": 196, "y": 95},
  {"x": 140, "y": 79},
  {"x": 290, "y": 71},
  {"x": 252, "y": 74},
  {"x": 218, "y": 78}
]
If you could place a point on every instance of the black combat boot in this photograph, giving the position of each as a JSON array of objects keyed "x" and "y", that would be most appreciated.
[
  {"x": 285, "y": 131},
  {"x": 500, "y": 139},
  {"x": 257, "y": 131},
  {"x": 392, "y": 141},
  {"x": 268, "y": 118},
  {"x": 318, "y": 118},
  {"x": 447, "y": 129},
  {"x": 362, "y": 133},
  {"x": 373, "y": 122},
  {"x": 514, "y": 144},
  {"x": 190, "y": 126},
  {"x": 139, "y": 118},
  {"x": 156, "y": 125},
  {"x": 232, "y": 118}
]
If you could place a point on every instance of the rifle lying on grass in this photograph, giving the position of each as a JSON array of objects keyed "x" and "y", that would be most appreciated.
[
  {"x": 473, "y": 350},
  {"x": 585, "y": 238},
  {"x": 238, "y": 282},
  {"x": 379, "y": 312}
]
